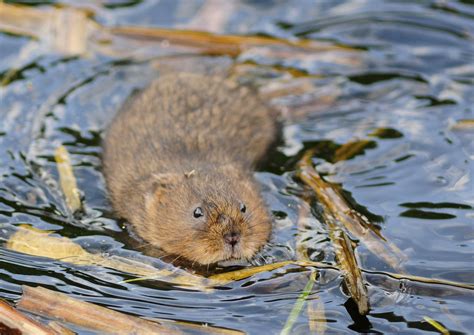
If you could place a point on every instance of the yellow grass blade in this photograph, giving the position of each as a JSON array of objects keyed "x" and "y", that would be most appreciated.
[
  {"x": 227, "y": 277},
  {"x": 439, "y": 327}
]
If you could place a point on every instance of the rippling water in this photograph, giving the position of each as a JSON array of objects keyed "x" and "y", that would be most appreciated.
[{"x": 411, "y": 74}]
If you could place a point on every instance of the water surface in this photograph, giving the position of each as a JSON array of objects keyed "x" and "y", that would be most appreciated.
[{"x": 411, "y": 74}]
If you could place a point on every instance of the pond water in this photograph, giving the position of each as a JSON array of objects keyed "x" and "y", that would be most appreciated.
[{"x": 400, "y": 75}]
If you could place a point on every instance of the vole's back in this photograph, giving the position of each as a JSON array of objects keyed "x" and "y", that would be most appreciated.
[{"x": 183, "y": 118}]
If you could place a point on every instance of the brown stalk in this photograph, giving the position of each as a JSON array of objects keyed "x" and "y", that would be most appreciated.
[
  {"x": 67, "y": 179},
  {"x": 41, "y": 301},
  {"x": 358, "y": 226},
  {"x": 16, "y": 320},
  {"x": 345, "y": 255},
  {"x": 71, "y": 30}
]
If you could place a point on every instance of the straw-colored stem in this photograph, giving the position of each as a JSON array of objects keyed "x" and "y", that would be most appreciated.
[
  {"x": 41, "y": 301},
  {"x": 14, "y": 319}
]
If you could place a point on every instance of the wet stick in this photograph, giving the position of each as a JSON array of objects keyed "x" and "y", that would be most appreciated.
[
  {"x": 60, "y": 328},
  {"x": 81, "y": 35},
  {"x": 231, "y": 276},
  {"x": 14, "y": 320},
  {"x": 358, "y": 226},
  {"x": 41, "y": 301},
  {"x": 67, "y": 179},
  {"x": 345, "y": 255},
  {"x": 351, "y": 149},
  {"x": 423, "y": 280},
  {"x": 316, "y": 316},
  {"x": 349, "y": 266},
  {"x": 214, "y": 44}
]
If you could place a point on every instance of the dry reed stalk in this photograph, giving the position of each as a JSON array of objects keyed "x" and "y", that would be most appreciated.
[
  {"x": 15, "y": 320},
  {"x": 41, "y": 301}
]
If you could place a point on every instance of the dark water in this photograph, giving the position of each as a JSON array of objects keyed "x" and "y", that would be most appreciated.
[{"x": 414, "y": 74}]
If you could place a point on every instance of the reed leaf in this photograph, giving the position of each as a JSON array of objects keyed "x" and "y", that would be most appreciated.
[{"x": 298, "y": 307}]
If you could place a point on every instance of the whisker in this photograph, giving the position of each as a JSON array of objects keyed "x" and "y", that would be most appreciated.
[
  {"x": 143, "y": 246},
  {"x": 174, "y": 260}
]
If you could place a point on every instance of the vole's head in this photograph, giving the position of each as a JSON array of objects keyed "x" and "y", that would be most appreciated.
[{"x": 206, "y": 215}]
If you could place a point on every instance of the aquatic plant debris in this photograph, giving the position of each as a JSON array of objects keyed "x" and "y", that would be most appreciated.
[
  {"x": 18, "y": 323},
  {"x": 231, "y": 276},
  {"x": 464, "y": 124},
  {"x": 31, "y": 241},
  {"x": 340, "y": 212},
  {"x": 297, "y": 308},
  {"x": 67, "y": 179},
  {"x": 85, "y": 34},
  {"x": 428, "y": 164},
  {"x": 424, "y": 280},
  {"x": 345, "y": 256},
  {"x": 38, "y": 243},
  {"x": 41, "y": 301},
  {"x": 349, "y": 266},
  {"x": 351, "y": 149}
]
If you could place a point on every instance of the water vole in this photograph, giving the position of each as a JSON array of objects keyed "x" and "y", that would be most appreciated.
[{"x": 178, "y": 162}]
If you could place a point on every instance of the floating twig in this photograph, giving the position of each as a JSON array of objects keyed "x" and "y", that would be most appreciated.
[
  {"x": 67, "y": 179},
  {"x": 351, "y": 149},
  {"x": 72, "y": 30},
  {"x": 336, "y": 213},
  {"x": 41, "y": 301},
  {"x": 17, "y": 321},
  {"x": 357, "y": 225}
]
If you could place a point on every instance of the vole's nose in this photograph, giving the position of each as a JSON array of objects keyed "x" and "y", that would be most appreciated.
[{"x": 232, "y": 238}]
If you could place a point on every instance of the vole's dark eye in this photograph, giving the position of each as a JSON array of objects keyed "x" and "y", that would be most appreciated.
[
  {"x": 243, "y": 208},
  {"x": 198, "y": 212}
]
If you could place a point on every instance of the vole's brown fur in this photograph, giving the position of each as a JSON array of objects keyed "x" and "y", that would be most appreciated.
[{"x": 190, "y": 141}]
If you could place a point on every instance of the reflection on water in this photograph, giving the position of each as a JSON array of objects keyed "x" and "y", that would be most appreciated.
[{"x": 408, "y": 79}]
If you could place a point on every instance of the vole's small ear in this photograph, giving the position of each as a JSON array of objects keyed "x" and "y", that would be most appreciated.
[
  {"x": 167, "y": 180},
  {"x": 159, "y": 183}
]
